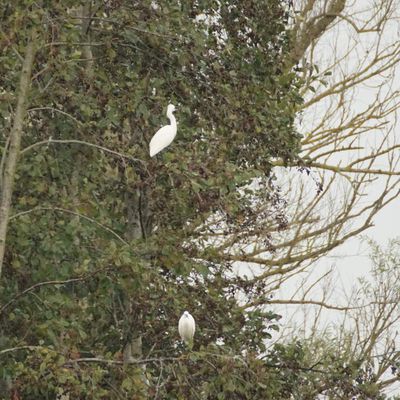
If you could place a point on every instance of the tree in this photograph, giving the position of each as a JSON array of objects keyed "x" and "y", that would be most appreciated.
[
  {"x": 347, "y": 145},
  {"x": 356, "y": 355},
  {"x": 106, "y": 247},
  {"x": 351, "y": 115},
  {"x": 350, "y": 149}
]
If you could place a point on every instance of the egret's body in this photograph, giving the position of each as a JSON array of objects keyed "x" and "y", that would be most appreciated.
[
  {"x": 186, "y": 327},
  {"x": 165, "y": 135}
]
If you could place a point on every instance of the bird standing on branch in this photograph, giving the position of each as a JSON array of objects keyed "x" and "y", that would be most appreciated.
[
  {"x": 165, "y": 135},
  {"x": 186, "y": 328}
]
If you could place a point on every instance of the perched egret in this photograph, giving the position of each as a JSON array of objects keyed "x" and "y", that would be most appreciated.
[
  {"x": 186, "y": 328},
  {"x": 165, "y": 135}
]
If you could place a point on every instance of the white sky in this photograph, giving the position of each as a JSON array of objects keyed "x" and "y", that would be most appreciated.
[{"x": 350, "y": 260}]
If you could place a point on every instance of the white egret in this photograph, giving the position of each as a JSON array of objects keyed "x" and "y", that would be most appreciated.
[
  {"x": 186, "y": 328},
  {"x": 165, "y": 135}
]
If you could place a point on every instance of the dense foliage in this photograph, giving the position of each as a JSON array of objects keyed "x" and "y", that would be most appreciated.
[{"x": 106, "y": 249}]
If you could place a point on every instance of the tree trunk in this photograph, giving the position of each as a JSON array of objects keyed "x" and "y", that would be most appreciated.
[
  {"x": 312, "y": 29},
  {"x": 85, "y": 13},
  {"x": 11, "y": 156}
]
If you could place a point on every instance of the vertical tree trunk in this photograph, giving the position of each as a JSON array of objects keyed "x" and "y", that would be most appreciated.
[
  {"x": 85, "y": 13},
  {"x": 12, "y": 154}
]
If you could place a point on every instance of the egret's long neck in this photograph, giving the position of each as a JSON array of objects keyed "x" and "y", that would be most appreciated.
[{"x": 172, "y": 119}]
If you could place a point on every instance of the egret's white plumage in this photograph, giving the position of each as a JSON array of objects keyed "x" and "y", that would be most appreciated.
[
  {"x": 165, "y": 135},
  {"x": 186, "y": 327}
]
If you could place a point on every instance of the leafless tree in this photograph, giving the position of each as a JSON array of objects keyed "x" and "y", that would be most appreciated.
[{"x": 348, "y": 55}]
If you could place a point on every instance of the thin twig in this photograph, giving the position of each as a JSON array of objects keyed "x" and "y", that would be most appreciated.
[
  {"x": 63, "y": 210},
  {"x": 73, "y": 141},
  {"x": 117, "y": 362},
  {"x": 31, "y": 348},
  {"x": 46, "y": 283},
  {"x": 55, "y": 110}
]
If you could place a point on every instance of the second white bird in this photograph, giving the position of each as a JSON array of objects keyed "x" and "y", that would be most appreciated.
[{"x": 186, "y": 327}]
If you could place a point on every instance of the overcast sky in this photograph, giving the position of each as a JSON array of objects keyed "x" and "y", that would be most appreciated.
[{"x": 351, "y": 260}]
